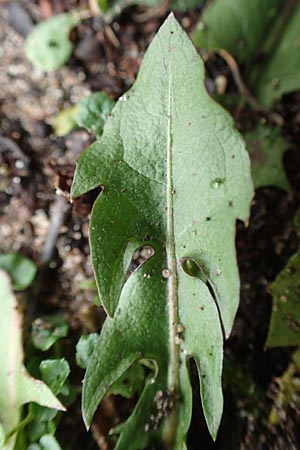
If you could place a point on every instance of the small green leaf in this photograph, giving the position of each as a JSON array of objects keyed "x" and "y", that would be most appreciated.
[
  {"x": 266, "y": 147},
  {"x": 176, "y": 177},
  {"x": 34, "y": 447},
  {"x": 20, "y": 269},
  {"x": 37, "y": 429},
  {"x": 93, "y": 111},
  {"x": 285, "y": 320},
  {"x": 41, "y": 414},
  {"x": 17, "y": 387},
  {"x": 84, "y": 349},
  {"x": 48, "y": 330},
  {"x": 48, "y": 46},
  {"x": 54, "y": 373},
  {"x": 48, "y": 442},
  {"x": 64, "y": 121}
]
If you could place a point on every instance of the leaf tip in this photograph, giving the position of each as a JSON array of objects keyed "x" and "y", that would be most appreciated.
[
  {"x": 88, "y": 409},
  {"x": 61, "y": 407},
  {"x": 86, "y": 419},
  {"x": 213, "y": 427},
  {"x": 171, "y": 16}
]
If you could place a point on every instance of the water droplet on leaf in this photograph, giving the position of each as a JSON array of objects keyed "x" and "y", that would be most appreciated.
[
  {"x": 217, "y": 182},
  {"x": 166, "y": 273}
]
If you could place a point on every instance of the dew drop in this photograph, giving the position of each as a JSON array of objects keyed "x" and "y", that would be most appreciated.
[
  {"x": 166, "y": 273},
  {"x": 217, "y": 182}
]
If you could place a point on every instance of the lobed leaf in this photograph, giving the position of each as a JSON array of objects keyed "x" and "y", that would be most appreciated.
[{"x": 175, "y": 177}]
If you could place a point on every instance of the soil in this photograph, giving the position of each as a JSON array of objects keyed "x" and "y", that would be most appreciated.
[{"x": 37, "y": 220}]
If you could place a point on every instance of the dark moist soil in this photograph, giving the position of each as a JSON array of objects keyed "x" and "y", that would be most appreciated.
[{"x": 37, "y": 220}]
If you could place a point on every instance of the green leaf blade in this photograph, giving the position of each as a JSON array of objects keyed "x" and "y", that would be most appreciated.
[
  {"x": 175, "y": 171},
  {"x": 204, "y": 343},
  {"x": 138, "y": 306}
]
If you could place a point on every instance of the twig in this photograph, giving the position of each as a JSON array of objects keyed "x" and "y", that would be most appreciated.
[
  {"x": 58, "y": 213},
  {"x": 109, "y": 33}
]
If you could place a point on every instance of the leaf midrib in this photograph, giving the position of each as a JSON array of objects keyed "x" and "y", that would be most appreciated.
[{"x": 173, "y": 372}]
